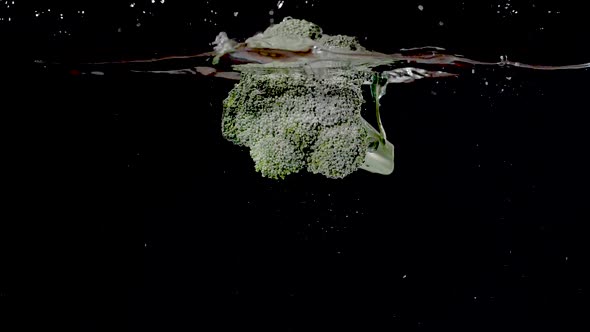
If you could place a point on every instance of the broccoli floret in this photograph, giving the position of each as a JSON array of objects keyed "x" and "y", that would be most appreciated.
[
  {"x": 289, "y": 35},
  {"x": 296, "y": 28},
  {"x": 347, "y": 43},
  {"x": 277, "y": 156},
  {"x": 292, "y": 120},
  {"x": 339, "y": 150}
]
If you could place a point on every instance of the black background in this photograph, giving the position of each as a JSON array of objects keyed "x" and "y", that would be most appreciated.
[{"x": 127, "y": 210}]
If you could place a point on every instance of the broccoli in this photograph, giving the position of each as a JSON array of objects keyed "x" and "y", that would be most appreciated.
[
  {"x": 340, "y": 41},
  {"x": 295, "y": 27},
  {"x": 292, "y": 119}
]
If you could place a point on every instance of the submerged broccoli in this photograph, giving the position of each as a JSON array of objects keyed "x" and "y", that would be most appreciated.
[{"x": 292, "y": 119}]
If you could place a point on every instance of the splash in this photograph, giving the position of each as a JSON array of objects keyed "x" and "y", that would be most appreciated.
[
  {"x": 279, "y": 47},
  {"x": 281, "y": 66}
]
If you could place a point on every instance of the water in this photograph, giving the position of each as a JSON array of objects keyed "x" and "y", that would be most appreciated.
[{"x": 135, "y": 212}]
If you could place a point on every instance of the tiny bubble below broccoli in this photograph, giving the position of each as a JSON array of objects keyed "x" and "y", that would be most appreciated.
[{"x": 293, "y": 120}]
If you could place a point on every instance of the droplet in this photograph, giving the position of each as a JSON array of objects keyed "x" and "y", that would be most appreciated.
[
  {"x": 280, "y": 4},
  {"x": 420, "y": 7}
]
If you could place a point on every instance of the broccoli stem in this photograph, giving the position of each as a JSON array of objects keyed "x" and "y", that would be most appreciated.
[
  {"x": 381, "y": 130},
  {"x": 379, "y": 157},
  {"x": 378, "y": 85}
]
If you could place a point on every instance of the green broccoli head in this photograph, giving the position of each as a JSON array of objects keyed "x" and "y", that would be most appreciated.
[
  {"x": 347, "y": 43},
  {"x": 292, "y": 120},
  {"x": 277, "y": 156},
  {"x": 289, "y": 35},
  {"x": 295, "y": 27},
  {"x": 301, "y": 116},
  {"x": 339, "y": 150}
]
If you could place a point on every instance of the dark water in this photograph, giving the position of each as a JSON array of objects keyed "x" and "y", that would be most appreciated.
[{"x": 133, "y": 213}]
